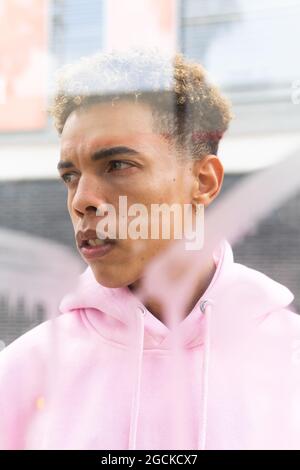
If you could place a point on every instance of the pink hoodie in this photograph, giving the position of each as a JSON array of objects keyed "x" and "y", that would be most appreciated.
[{"x": 96, "y": 376}]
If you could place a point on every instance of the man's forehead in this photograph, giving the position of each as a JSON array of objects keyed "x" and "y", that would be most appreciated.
[
  {"x": 85, "y": 145},
  {"x": 105, "y": 116}
]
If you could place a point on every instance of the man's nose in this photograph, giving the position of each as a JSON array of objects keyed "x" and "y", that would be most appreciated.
[{"x": 88, "y": 197}]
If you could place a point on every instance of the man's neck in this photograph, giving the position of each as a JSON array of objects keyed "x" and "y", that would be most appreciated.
[{"x": 205, "y": 278}]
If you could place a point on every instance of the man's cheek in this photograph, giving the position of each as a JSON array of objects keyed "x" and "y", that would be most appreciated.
[
  {"x": 71, "y": 210},
  {"x": 74, "y": 219}
]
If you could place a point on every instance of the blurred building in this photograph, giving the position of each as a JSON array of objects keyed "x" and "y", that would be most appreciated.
[{"x": 249, "y": 49}]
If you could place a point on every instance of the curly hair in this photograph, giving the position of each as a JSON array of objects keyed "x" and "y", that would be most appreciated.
[{"x": 188, "y": 110}]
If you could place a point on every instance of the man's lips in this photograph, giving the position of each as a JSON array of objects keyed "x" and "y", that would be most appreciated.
[
  {"x": 92, "y": 252},
  {"x": 91, "y": 246}
]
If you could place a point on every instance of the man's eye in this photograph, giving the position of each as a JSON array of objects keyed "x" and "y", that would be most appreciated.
[
  {"x": 118, "y": 165},
  {"x": 68, "y": 177}
]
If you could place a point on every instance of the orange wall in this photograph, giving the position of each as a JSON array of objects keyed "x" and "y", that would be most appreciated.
[
  {"x": 24, "y": 47},
  {"x": 23, "y": 52}
]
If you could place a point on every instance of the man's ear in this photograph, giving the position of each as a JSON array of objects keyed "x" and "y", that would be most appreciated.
[{"x": 208, "y": 173}]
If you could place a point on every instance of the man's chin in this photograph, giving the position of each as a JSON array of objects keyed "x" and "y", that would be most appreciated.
[{"x": 111, "y": 280}]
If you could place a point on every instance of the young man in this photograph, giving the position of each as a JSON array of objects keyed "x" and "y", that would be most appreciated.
[{"x": 100, "y": 375}]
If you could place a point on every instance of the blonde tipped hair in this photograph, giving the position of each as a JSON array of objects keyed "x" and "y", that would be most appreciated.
[{"x": 188, "y": 110}]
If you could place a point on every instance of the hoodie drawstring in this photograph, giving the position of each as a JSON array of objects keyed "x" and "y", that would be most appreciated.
[
  {"x": 135, "y": 405},
  {"x": 206, "y": 309}
]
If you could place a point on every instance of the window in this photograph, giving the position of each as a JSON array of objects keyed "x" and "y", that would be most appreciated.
[
  {"x": 247, "y": 45},
  {"x": 77, "y": 28}
]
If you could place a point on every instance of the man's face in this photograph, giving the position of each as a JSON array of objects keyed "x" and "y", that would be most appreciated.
[{"x": 109, "y": 151}]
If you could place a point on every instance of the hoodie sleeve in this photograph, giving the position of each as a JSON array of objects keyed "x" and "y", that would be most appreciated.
[
  {"x": 293, "y": 380},
  {"x": 280, "y": 361},
  {"x": 21, "y": 369}
]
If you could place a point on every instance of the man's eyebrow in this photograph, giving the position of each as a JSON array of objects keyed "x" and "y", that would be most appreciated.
[
  {"x": 64, "y": 164},
  {"x": 111, "y": 152},
  {"x": 102, "y": 153}
]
